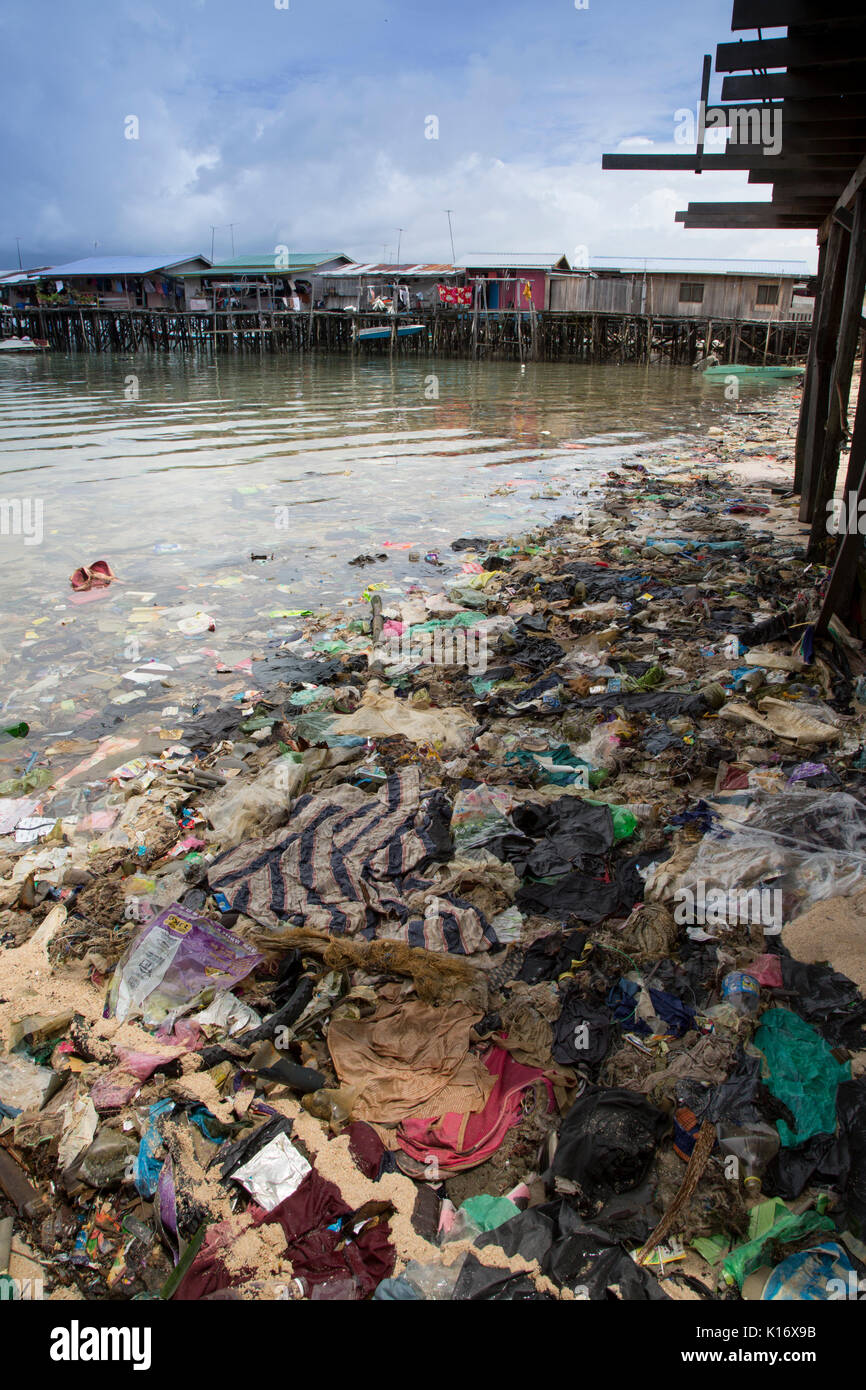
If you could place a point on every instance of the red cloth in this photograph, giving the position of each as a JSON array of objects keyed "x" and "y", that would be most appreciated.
[
  {"x": 353, "y": 1272},
  {"x": 455, "y": 294},
  {"x": 362, "y": 1263},
  {"x": 459, "y": 1141}
]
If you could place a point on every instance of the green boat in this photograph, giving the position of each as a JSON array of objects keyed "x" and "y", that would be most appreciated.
[{"x": 758, "y": 373}]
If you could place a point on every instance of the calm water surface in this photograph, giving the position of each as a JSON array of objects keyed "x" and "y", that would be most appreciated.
[{"x": 178, "y": 471}]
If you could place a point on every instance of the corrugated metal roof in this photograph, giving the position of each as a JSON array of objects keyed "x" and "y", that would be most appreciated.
[
  {"x": 358, "y": 268},
  {"x": 274, "y": 262},
  {"x": 699, "y": 265},
  {"x": 22, "y": 277},
  {"x": 120, "y": 265},
  {"x": 512, "y": 260}
]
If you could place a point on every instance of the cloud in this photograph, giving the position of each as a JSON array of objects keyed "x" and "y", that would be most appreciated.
[{"x": 307, "y": 127}]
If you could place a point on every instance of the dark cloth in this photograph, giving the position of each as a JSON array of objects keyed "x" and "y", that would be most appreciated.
[
  {"x": 591, "y": 899},
  {"x": 550, "y": 955},
  {"x": 663, "y": 703},
  {"x": 288, "y": 669},
  {"x": 366, "y": 1148},
  {"x": 320, "y": 1256},
  {"x": 574, "y": 1254},
  {"x": 606, "y": 1143},
  {"x": 581, "y": 1022}
]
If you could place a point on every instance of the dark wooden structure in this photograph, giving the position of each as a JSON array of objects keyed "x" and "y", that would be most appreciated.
[
  {"x": 817, "y": 169},
  {"x": 546, "y": 336}
]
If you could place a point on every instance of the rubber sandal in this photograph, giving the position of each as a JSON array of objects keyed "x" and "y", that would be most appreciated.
[
  {"x": 101, "y": 573},
  {"x": 81, "y": 579}
]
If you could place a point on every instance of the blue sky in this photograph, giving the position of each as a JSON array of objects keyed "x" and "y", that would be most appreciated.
[{"x": 305, "y": 126}]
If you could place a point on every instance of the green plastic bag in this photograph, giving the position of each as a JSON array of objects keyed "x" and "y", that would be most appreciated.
[
  {"x": 489, "y": 1212},
  {"x": 770, "y": 1222},
  {"x": 802, "y": 1072}
]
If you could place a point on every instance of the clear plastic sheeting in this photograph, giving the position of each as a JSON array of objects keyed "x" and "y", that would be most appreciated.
[{"x": 808, "y": 845}]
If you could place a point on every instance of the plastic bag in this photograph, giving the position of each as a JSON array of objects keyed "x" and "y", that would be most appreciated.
[
  {"x": 382, "y": 715},
  {"x": 173, "y": 961},
  {"x": 480, "y": 814},
  {"x": 803, "y": 1074},
  {"x": 274, "y": 1173},
  {"x": 824, "y": 1272},
  {"x": 811, "y": 844},
  {"x": 253, "y": 809},
  {"x": 769, "y": 1222},
  {"x": 24, "y": 1085}
]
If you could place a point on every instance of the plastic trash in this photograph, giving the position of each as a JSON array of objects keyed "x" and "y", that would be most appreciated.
[
  {"x": 274, "y": 1173},
  {"x": 823, "y": 1272},
  {"x": 742, "y": 992},
  {"x": 754, "y": 1146},
  {"x": 802, "y": 1072},
  {"x": 173, "y": 961}
]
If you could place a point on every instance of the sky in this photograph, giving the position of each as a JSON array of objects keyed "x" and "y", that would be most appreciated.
[{"x": 325, "y": 125}]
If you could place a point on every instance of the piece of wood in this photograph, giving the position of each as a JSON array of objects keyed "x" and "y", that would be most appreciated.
[
  {"x": 809, "y": 380},
  {"x": 801, "y": 85},
  {"x": 779, "y": 14},
  {"x": 825, "y": 327},
  {"x": 749, "y": 55},
  {"x": 840, "y": 385}
]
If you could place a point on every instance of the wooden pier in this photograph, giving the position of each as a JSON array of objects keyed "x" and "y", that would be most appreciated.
[{"x": 550, "y": 336}]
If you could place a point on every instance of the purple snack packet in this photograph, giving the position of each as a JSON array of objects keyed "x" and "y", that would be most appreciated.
[{"x": 173, "y": 960}]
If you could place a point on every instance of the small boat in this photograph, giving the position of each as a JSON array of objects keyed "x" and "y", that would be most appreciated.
[
  {"x": 22, "y": 345},
  {"x": 759, "y": 373},
  {"x": 405, "y": 330}
]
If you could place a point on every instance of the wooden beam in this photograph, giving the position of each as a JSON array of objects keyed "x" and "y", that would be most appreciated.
[
  {"x": 839, "y": 46},
  {"x": 840, "y": 589},
  {"x": 849, "y": 128},
  {"x": 778, "y": 14},
  {"x": 723, "y": 209},
  {"x": 854, "y": 185},
  {"x": 802, "y": 84},
  {"x": 840, "y": 386},
  {"x": 808, "y": 185},
  {"x": 737, "y": 158},
  {"x": 769, "y": 221},
  {"x": 809, "y": 379}
]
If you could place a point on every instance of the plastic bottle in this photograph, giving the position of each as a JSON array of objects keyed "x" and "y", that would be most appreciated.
[
  {"x": 755, "y": 1146},
  {"x": 742, "y": 992}
]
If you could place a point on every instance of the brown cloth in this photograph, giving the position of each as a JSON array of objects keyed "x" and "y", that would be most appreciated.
[{"x": 410, "y": 1059}]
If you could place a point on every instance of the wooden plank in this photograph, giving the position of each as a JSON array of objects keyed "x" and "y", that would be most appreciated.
[
  {"x": 839, "y": 46},
  {"x": 825, "y": 328},
  {"x": 737, "y": 157},
  {"x": 808, "y": 132},
  {"x": 774, "y": 86},
  {"x": 843, "y": 365},
  {"x": 767, "y": 222},
  {"x": 778, "y": 14},
  {"x": 809, "y": 379},
  {"x": 837, "y": 598},
  {"x": 808, "y": 184},
  {"x": 795, "y": 206}
]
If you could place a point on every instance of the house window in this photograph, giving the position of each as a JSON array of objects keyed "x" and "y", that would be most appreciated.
[
  {"x": 768, "y": 294},
  {"x": 691, "y": 292}
]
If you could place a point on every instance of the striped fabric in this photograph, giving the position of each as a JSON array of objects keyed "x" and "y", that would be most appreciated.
[{"x": 346, "y": 863}]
